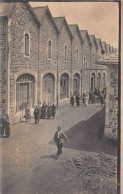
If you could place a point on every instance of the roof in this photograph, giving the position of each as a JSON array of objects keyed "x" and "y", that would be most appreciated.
[
  {"x": 74, "y": 28},
  {"x": 110, "y": 60},
  {"x": 93, "y": 40},
  {"x": 41, "y": 12},
  {"x": 60, "y": 21},
  {"x": 99, "y": 43},
  {"x": 85, "y": 34},
  {"x": 108, "y": 47},
  {"x": 6, "y": 9}
]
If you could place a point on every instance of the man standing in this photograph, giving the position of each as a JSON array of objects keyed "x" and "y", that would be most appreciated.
[
  {"x": 36, "y": 114},
  {"x": 58, "y": 138}
]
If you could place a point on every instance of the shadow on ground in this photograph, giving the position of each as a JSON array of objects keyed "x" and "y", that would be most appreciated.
[{"x": 89, "y": 136}]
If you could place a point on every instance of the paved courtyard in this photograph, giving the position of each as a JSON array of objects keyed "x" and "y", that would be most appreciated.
[{"x": 30, "y": 148}]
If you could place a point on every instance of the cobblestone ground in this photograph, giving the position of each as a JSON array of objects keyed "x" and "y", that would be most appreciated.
[{"x": 27, "y": 162}]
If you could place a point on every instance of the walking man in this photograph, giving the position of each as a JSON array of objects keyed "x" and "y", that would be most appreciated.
[{"x": 58, "y": 138}]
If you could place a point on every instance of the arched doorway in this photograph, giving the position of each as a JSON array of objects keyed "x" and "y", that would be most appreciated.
[
  {"x": 76, "y": 83},
  {"x": 98, "y": 80},
  {"x": 104, "y": 80},
  {"x": 48, "y": 88},
  {"x": 64, "y": 86},
  {"x": 24, "y": 91},
  {"x": 92, "y": 81}
]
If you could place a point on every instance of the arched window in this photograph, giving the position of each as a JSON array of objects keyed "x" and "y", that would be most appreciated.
[
  {"x": 84, "y": 62},
  {"x": 24, "y": 91},
  {"x": 77, "y": 55},
  {"x": 49, "y": 49},
  {"x": 27, "y": 42},
  {"x": 65, "y": 53}
]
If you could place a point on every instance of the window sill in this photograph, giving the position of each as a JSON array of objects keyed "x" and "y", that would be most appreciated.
[
  {"x": 49, "y": 59},
  {"x": 25, "y": 56}
]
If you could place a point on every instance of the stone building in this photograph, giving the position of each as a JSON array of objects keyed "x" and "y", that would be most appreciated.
[
  {"x": 64, "y": 58},
  {"x": 77, "y": 59},
  {"x": 86, "y": 60},
  {"x": 48, "y": 58},
  {"x": 42, "y": 59},
  {"x": 111, "y": 110}
]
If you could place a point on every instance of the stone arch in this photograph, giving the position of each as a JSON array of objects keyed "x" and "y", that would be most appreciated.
[
  {"x": 99, "y": 80},
  {"x": 92, "y": 81},
  {"x": 25, "y": 91},
  {"x": 76, "y": 83},
  {"x": 48, "y": 87},
  {"x": 64, "y": 86}
]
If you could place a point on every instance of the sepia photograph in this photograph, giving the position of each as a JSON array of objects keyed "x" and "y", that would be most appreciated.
[{"x": 60, "y": 97}]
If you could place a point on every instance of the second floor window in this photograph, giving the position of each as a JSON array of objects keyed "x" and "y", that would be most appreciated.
[
  {"x": 65, "y": 53},
  {"x": 49, "y": 49},
  {"x": 84, "y": 62},
  {"x": 27, "y": 44},
  {"x": 77, "y": 55}
]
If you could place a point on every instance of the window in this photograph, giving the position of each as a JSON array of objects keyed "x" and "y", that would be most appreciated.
[
  {"x": 65, "y": 53},
  {"x": 27, "y": 49},
  {"x": 63, "y": 82},
  {"x": 84, "y": 62},
  {"x": 24, "y": 91},
  {"x": 49, "y": 49},
  {"x": 77, "y": 55}
]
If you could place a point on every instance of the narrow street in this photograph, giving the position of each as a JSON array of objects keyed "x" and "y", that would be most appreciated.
[{"x": 28, "y": 162}]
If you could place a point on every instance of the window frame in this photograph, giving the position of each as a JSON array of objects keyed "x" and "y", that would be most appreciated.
[
  {"x": 65, "y": 53},
  {"x": 49, "y": 40},
  {"x": 77, "y": 55},
  {"x": 26, "y": 56}
]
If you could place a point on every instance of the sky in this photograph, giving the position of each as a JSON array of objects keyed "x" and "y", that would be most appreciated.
[{"x": 99, "y": 18}]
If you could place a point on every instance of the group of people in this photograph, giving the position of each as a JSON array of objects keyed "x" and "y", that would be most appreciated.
[
  {"x": 76, "y": 98},
  {"x": 89, "y": 97},
  {"x": 41, "y": 112}
]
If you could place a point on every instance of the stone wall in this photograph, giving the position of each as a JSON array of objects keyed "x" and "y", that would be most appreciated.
[
  {"x": 3, "y": 66},
  {"x": 111, "y": 117},
  {"x": 20, "y": 23}
]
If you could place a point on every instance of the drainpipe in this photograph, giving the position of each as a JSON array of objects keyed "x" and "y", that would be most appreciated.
[
  {"x": 38, "y": 85},
  {"x": 81, "y": 70},
  {"x": 71, "y": 89},
  {"x": 57, "y": 101}
]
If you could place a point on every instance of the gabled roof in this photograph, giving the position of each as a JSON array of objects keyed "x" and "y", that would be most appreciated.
[
  {"x": 6, "y": 9},
  {"x": 74, "y": 28},
  {"x": 85, "y": 35},
  {"x": 111, "y": 49},
  {"x": 108, "y": 47},
  {"x": 41, "y": 12},
  {"x": 99, "y": 43},
  {"x": 93, "y": 40},
  {"x": 60, "y": 21}
]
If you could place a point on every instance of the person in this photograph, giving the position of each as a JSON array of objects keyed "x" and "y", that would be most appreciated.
[
  {"x": 36, "y": 114},
  {"x": 59, "y": 138},
  {"x": 27, "y": 113},
  {"x": 7, "y": 125},
  {"x": 48, "y": 111},
  {"x": 102, "y": 100},
  {"x": 53, "y": 110},
  {"x": 78, "y": 100},
  {"x": 72, "y": 100},
  {"x": 43, "y": 110}
]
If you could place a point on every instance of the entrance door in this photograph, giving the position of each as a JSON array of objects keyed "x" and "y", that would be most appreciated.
[
  {"x": 76, "y": 83},
  {"x": 48, "y": 88},
  {"x": 64, "y": 86}
]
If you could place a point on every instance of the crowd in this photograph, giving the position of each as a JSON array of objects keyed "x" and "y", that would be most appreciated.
[
  {"x": 45, "y": 111},
  {"x": 89, "y": 97}
]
